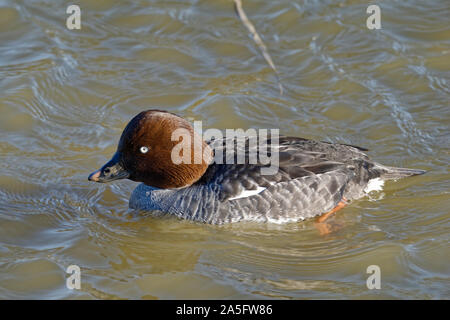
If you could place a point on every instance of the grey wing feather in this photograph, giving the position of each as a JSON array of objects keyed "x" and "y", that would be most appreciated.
[
  {"x": 297, "y": 158},
  {"x": 301, "y": 198}
]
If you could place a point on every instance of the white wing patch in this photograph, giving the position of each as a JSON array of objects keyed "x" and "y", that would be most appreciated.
[
  {"x": 374, "y": 185},
  {"x": 248, "y": 193}
]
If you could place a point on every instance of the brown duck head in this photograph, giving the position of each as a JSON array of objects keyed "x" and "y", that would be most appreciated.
[{"x": 160, "y": 149}]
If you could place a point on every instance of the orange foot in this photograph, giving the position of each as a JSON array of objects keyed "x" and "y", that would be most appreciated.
[
  {"x": 325, "y": 216},
  {"x": 324, "y": 227}
]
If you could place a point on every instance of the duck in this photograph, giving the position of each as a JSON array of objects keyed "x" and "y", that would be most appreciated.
[{"x": 312, "y": 178}]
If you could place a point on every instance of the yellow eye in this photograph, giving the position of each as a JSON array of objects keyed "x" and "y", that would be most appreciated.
[{"x": 143, "y": 149}]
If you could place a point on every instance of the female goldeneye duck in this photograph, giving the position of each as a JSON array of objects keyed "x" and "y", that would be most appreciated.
[{"x": 313, "y": 178}]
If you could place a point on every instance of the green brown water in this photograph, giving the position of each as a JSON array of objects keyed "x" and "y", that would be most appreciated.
[{"x": 67, "y": 94}]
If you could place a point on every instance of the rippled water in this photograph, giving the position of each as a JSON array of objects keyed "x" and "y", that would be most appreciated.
[{"x": 67, "y": 94}]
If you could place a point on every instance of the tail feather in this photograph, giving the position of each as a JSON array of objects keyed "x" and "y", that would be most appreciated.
[{"x": 392, "y": 173}]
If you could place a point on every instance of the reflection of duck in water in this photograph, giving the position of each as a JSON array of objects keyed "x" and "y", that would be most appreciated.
[{"x": 314, "y": 178}]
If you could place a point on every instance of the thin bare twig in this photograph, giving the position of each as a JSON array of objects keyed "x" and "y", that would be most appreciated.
[{"x": 251, "y": 28}]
